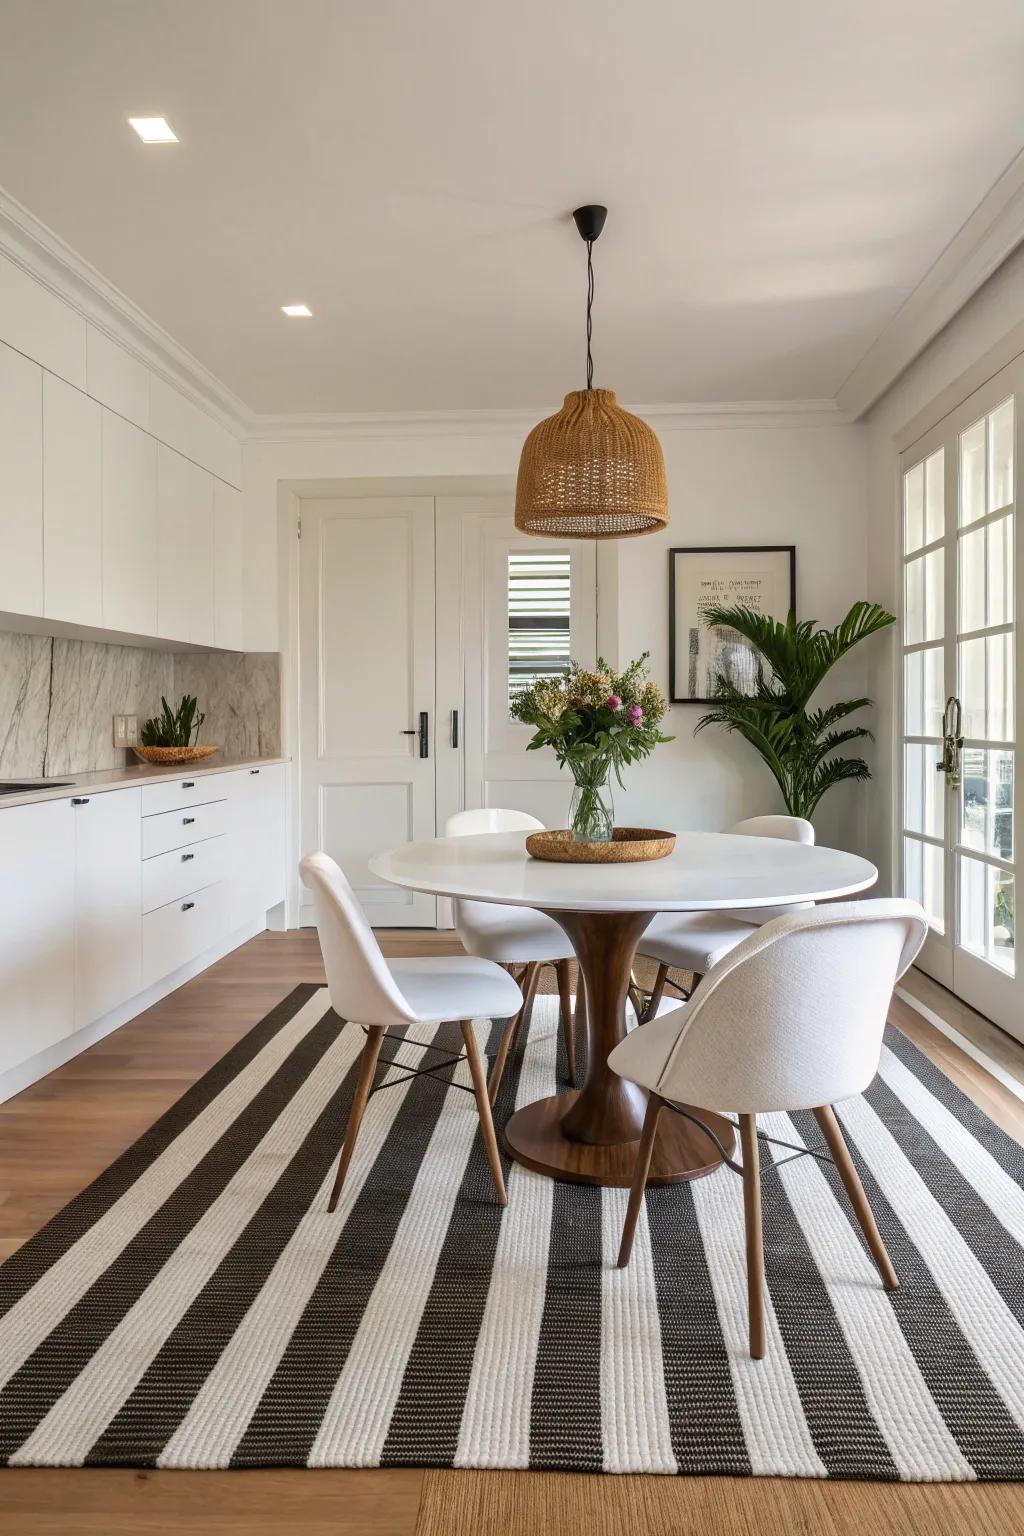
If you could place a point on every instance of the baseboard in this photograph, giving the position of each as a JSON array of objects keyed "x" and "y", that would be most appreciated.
[
  {"x": 27, "y": 1072},
  {"x": 968, "y": 1047}
]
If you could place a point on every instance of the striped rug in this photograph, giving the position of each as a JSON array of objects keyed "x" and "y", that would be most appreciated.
[{"x": 198, "y": 1307}]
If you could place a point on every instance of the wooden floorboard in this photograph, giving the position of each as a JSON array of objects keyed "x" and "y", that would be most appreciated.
[{"x": 60, "y": 1133}]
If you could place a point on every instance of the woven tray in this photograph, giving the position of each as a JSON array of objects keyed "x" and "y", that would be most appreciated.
[
  {"x": 166, "y": 757},
  {"x": 629, "y": 845}
]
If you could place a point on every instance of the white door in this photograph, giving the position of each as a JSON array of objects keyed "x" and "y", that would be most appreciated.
[
  {"x": 510, "y": 608},
  {"x": 962, "y": 567},
  {"x": 366, "y": 659}
]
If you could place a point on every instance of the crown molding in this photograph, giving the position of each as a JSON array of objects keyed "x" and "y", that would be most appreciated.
[
  {"x": 991, "y": 234},
  {"x": 34, "y": 247},
  {"x": 704, "y": 416}
]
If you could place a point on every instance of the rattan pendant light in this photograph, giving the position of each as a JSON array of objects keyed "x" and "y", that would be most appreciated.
[{"x": 591, "y": 471}]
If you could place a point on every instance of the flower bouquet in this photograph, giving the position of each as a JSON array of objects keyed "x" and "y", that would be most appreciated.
[{"x": 596, "y": 723}]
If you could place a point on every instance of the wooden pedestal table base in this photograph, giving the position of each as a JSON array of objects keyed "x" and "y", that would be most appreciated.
[{"x": 591, "y": 1136}]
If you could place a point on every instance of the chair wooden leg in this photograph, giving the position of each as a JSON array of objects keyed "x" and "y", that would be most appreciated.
[
  {"x": 657, "y": 991},
  {"x": 367, "y": 1067},
  {"x": 483, "y": 1104},
  {"x": 563, "y": 969},
  {"x": 836, "y": 1142},
  {"x": 528, "y": 984},
  {"x": 755, "y": 1236},
  {"x": 636, "y": 996},
  {"x": 655, "y": 1105}
]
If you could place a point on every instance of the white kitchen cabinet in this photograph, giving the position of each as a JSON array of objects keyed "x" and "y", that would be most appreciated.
[
  {"x": 72, "y": 506},
  {"x": 37, "y": 928},
  {"x": 116, "y": 378},
  {"x": 108, "y": 920},
  {"x": 21, "y": 484},
  {"x": 35, "y": 321},
  {"x": 182, "y": 930},
  {"x": 129, "y": 528},
  {"x": 256, "y": 802},
  {"x": 227, "y": 505},
  {"x": 185, "y": 585}
]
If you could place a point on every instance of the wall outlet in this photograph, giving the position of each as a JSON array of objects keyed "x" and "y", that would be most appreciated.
[{"x": 126, "y": 730}]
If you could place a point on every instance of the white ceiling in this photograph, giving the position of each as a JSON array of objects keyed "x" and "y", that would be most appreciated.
[{"x": 781, "y": 174}]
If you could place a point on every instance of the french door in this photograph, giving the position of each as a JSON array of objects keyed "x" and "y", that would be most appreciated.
[
  {"x": 510, "y": 608},
  {"x": 962, "y": 663},
  {"x": 419, "y": 618},
  {"x": 366, "y": 670}
]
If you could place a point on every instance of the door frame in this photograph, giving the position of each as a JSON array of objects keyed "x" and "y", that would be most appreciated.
[{"x": 945, "y": 958}]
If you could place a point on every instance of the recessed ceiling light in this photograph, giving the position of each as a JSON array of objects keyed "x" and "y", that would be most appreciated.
[
  {"x": 154, "y": 130},
  {"x": 297, "y": 311}
]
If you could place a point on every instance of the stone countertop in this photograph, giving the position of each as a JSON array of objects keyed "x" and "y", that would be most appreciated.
[{"x": 69, "y": 784}]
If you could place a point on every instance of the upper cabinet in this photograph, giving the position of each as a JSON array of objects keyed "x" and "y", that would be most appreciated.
[
  {"x": 185, "y": 585},
  {"x": 227, "y": 563},
  {"x": 72, "y": 510},
  {"x": 129, "y": 528},
  {"x": 33, "y": 320},
  {"x": 120, "y": 504},
  {"x": 182, "y": 425},
  {"x": 21, "y": 484},
  {"x": 117, "y": 379}
]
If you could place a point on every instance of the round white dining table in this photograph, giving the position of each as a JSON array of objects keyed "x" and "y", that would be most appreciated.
[{"x": 589, "y": 1135}]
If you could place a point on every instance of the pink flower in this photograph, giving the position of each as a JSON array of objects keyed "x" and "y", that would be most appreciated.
[
  {"x": 636, "y": 715},
  {"x": 613, "y": 701}
]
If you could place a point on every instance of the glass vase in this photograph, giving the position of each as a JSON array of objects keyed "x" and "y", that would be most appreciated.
[{"x": 591, "y": 811}]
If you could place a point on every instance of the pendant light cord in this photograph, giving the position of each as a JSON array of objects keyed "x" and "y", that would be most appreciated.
[{"x": 590, "y": 306}]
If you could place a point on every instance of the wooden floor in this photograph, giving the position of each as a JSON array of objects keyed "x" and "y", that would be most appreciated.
[{"x": 56, "y": 1136}]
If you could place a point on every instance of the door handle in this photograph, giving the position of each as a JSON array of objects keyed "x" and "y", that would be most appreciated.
[
  {"x": 455, "y": 727},
  {"x": 80, "y": 800},
  {"x": 423, "y": 732},
  {"x": 952, "y": 742}
]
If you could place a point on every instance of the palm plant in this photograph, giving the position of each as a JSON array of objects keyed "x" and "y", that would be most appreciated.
[{"x": 800, "y": 745}]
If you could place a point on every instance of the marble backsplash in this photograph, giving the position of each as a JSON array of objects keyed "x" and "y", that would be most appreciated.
[{"x": 58, "y": 699}]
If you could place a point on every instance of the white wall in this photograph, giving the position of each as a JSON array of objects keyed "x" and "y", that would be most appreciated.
[
  {"x": 985, "y": 335},
  {"x": 756, "y": 484}
]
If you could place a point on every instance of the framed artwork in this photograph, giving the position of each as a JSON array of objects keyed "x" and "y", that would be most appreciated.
[{"x": 762, "y": 577}]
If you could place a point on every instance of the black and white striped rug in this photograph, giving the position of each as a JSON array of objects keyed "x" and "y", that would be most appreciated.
[{"x": 198, "y": 1307}]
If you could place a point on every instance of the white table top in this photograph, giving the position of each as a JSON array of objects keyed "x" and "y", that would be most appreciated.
[{"x": 704, "y": 871}]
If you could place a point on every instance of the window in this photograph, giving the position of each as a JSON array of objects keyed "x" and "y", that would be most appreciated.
[{"x": 538, "y": 617}]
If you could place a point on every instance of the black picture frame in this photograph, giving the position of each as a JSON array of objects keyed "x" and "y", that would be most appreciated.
[{"x": 675, "y": 681}]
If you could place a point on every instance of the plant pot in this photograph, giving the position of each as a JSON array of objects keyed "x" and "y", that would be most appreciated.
[{"x": 167, "y": 757}]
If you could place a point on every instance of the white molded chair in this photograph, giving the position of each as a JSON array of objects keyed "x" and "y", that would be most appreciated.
[
  {"x": 792, "y": 1019},
  {"x": 695, "y": 941},
  {"x": 386, "y": 995},
  {"x": 516, "y": 937}
]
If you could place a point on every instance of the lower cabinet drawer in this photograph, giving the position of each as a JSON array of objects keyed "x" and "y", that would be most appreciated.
[
  {"x": 182, "y": 871},
  {"x": 175, "y": 934},
  {"x": 174, "y": 794},
  {"x": 176, "y": 829}
]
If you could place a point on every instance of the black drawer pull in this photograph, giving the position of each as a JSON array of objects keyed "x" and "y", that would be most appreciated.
[
  {"x": 186, "y": 856},
  {"x": 79, "y": 799},
  {"x": 188, "y": 783},
  {"x": 187, "y": 821},
  {"x": 254, "y": 770},
  {"x": 187, "y": 906}
]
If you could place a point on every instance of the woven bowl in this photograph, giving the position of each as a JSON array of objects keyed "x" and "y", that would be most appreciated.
[
  {"x": 167, "y": 757},
  {"x": 629, "y": 845}
]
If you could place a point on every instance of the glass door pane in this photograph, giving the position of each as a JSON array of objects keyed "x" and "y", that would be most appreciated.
[
  {"x": 984, "y": 958},
  {"x": 924, "y": 685}
]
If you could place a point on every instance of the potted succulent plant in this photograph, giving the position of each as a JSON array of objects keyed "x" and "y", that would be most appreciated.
[{"x": 173, "y": 735}]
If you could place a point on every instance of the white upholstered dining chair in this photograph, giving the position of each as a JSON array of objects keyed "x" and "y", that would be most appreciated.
[
  {"x": 695, "y": 941},
  {"x": 387, "y": 996},
  {"x": 518, "y": 938},
  {"x": 792, "y": 1019}
]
